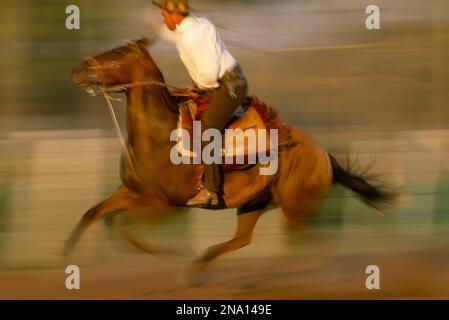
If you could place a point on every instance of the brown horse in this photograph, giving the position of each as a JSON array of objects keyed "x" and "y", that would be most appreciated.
[{"x": 150, "y": 180}]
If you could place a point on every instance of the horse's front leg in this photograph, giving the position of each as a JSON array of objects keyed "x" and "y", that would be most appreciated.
[
  {"x": 121, "y": 200},
  {"x": 140, "y": 244}
]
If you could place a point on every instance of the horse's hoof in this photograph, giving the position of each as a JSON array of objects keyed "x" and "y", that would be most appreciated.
[
  {"x": 68, "y": 248},
  {"x": 196, "y": 274},
  {"x": 66, "y": 252}
]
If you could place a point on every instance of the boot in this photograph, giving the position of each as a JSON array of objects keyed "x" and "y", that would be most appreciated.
[{"x": 204, "y": 198}]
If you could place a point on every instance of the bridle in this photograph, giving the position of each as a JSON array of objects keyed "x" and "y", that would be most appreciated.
[{"x": 103, "y": 89}]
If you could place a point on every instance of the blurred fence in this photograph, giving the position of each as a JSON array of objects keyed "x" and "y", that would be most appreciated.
[{"x": 49, "y": 178}]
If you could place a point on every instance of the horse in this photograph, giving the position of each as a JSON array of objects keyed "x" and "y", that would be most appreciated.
[{"x": 151, "y": 181}]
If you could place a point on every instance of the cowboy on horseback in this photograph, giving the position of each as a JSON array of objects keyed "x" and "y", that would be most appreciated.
[
  {"x": 214, "y": 70},
  {"x": 306, "y": 173}
]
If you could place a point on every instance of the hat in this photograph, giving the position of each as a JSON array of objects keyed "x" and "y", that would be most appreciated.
[{"x": 179, "y": 6}]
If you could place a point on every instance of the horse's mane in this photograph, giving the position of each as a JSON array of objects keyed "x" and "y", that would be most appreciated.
[
  {"x": 140, "y": 46},
  {"x": 268, "y": 114}
]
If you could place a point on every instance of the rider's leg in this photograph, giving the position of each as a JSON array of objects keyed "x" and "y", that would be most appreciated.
[
  {"x": 222, "y": 107},
  {"x": 212, "y": 177}
]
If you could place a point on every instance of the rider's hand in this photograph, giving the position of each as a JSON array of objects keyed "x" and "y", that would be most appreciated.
[
  {"x": 159, "y": 30},
  {"x": 155, "y": 27}
]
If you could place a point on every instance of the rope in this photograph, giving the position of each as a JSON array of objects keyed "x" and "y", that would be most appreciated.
[{"x": 118, "y": 131}]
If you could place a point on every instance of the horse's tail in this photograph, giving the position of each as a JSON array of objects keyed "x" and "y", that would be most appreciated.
[{"x": 375, "y": 196}]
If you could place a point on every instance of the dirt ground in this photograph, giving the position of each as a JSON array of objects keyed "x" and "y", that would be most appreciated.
[{"x": 317, "y": 273}]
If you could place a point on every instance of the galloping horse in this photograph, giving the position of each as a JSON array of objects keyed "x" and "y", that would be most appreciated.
[{"x": 150, "y": 180}]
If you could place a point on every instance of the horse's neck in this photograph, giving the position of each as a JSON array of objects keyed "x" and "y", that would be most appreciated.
[{"x": 149, "y": 117}]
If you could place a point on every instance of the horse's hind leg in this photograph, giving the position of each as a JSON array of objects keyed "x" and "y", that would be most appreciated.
[
  {"x": 246, "y": 223},
  {"x": 121, "y": 200}
]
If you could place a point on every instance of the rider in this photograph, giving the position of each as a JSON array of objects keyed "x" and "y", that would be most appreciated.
[{"x": 213, "y": 69}]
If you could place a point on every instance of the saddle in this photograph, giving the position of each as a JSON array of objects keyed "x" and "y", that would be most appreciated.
[{"x": 247, "y": 133}]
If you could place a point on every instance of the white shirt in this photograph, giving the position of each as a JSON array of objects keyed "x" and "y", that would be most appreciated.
[{"x": 201, "y": 50}]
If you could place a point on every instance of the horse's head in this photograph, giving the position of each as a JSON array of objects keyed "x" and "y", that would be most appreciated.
[{"x": 114, "y": 67}]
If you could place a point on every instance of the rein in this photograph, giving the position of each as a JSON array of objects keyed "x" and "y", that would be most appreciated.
[{"x": 123, "y": 87}]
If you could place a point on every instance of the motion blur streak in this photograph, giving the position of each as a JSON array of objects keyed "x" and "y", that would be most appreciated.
[{"x": 381, "y": 96}]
